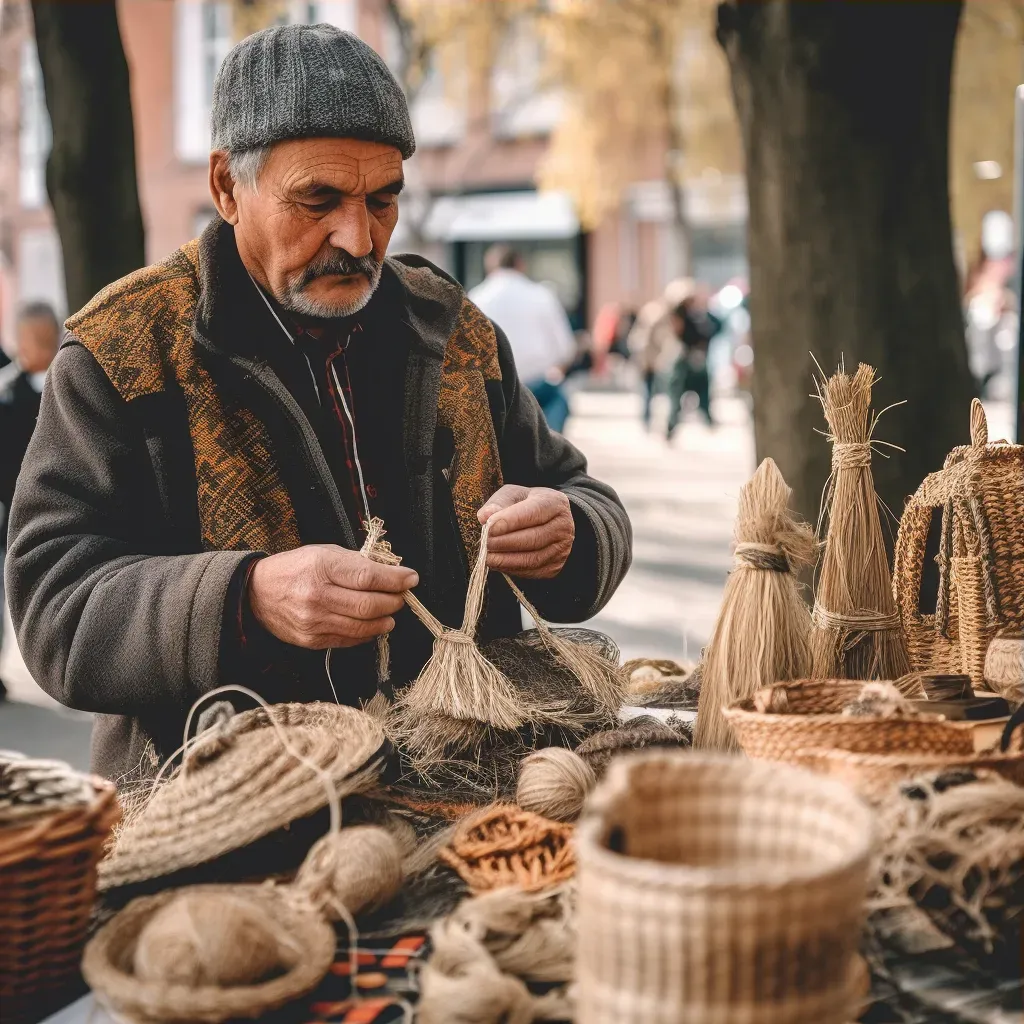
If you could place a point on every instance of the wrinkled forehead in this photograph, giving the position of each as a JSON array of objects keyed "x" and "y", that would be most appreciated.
[{"x": 350, "y": 166}]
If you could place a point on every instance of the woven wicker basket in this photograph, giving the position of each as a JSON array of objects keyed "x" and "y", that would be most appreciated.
[
  {"x": 980, "y": 492},
  {"x": 47, "y": 890},
  {"x": 873, "y": 776},
  {"x": 814, "y": 720},
  {"x": 108, "y": 964},
  {"x": 713, "y": 889}
]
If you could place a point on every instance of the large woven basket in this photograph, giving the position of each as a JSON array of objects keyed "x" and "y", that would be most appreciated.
[
  {"x": 815, "y": 720},
  {"x": 979, "y": 494},
  {"x": 47, "y": 891},
  {"x": 714, "y": 889}
]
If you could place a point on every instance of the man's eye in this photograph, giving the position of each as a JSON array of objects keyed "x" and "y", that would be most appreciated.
[
  {"x": 380, "y": 202},
  {"x": 317, "y": 207}
]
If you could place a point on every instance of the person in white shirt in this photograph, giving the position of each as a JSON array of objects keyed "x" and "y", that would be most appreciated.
[{"x": 537, "y": 328}]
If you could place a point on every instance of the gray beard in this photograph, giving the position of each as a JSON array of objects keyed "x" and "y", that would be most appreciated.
[{"x": 297, "y": 301}]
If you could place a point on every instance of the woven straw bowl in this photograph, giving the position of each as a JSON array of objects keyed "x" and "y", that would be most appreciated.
[
  {"x": 47, "y": 890},
  {"x": 107, "y": 964},
  {"x": 815, "y": 721},
  {"x": 872, "y": 776},
  {"x": 715, "y": 890}
]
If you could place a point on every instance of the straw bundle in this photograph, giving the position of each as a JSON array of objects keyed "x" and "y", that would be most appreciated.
[
  {"x": 857, "y": 631},
  {"x": 762, "y": 633}
]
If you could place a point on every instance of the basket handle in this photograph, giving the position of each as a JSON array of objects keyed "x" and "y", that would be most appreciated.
[
  {"x": 979, "y": 424},
  {"x": 1014, "y": 723}
]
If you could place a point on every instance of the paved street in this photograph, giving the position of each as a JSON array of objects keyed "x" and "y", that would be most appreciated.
[{"x": 682, "y": 502}]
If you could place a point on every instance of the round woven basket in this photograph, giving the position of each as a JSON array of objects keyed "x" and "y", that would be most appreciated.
[
  {"x": 240, "y": 783},
  {"x": 873, "y": 776},
  {"x": 814, "y": 720},
  {"x": 716, "y": 889},
  {"x": 107, "y": 964},
  {"x": 47, "y": 890}
]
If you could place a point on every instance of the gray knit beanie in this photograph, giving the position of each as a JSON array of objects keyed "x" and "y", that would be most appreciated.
[{"x": 303, "y": 82}]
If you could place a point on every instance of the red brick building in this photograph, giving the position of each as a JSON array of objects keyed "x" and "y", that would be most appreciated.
[{"x": 473, "y": 177}]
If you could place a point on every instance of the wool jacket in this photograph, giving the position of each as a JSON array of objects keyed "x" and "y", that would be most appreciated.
[{"x": 167, "y": 451}]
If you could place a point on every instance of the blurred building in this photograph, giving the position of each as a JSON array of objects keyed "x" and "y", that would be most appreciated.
[{"x": 471, "y": 183}]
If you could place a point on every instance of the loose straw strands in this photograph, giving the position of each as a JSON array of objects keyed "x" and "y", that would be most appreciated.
[
  {"x": 763, "y": 630},
  {"x": 457, "y": 681},
  {"x": 857, "y": 631}
]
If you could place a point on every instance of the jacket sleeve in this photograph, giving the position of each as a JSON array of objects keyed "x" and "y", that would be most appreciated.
[
  {"x": 105, "y": 621},
  {"x": 535, "y": 456}
]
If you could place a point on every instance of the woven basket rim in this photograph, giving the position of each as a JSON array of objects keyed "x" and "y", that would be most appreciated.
[
  {"x": 657, "y": 874},
  {"x": 741, "y": 711},
  {"x": 926, "y": 761},
  {"x": 207, "y": 1002}
]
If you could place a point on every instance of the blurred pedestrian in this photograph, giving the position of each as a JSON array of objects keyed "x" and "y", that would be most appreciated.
[
  {"x": 36, "y": 339},
  {"x": 536, "y": 325},
  {"x": 694, "y": 326}
]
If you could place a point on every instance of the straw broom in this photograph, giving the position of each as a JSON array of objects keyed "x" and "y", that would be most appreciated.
[
  {"x": 857, "y": 632},
  {"x": 763, "y": 630}
]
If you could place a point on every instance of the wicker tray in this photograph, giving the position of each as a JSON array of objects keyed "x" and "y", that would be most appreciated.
[
  {"x": 814, "y": 720},
  {"x": 47, "y": 890},
  {"x": 716, "y": 889}
]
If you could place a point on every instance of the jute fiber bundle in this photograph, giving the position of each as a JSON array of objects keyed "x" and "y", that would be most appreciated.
[
  {"x": 238, "y": 782},
  {"x": 953, "y": 844},
  {"x": 212, "y": 953},
  {"x": 555, "y": 783},
  {"x": 485, "y": 950},
  {"x": 762, "y": 635},
  {"x": 716, "y": 889},
  {"x": 857, "y": 632}
]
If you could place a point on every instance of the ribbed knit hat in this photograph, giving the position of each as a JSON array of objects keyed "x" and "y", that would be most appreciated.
[{"x": 303, "y": 82}]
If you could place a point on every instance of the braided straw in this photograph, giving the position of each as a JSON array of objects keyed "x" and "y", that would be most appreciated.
[
  {"x": 762, "y": 632},
  {"x": 503, "y": 845},
  {"x": 857, "y": 632}
]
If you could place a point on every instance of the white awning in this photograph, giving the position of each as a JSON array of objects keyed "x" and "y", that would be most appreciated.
[{"x": 502, "y": 217}]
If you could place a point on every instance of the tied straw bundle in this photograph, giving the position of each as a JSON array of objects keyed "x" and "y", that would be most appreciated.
[
  {"x": 763, "y": 630},
  {"x": 460, "y": 684},
  {"x": 857, "y": 632}
]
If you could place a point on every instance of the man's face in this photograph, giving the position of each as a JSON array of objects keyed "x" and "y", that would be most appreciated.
[
  {"x": 316, "y": 229},
  {"x": 37, "y": 340}
]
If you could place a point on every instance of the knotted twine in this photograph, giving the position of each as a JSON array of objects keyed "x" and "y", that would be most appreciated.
[
  {"x": 458, "y": 681},
  {"x": 763, "y": 630},
  {"x": 857, "y": 632}
]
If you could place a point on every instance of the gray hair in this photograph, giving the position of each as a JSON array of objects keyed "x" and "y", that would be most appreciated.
[{"x": 246, "y": 165}]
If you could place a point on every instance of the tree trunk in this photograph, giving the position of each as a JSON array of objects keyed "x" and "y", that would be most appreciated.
[
  {"x": 844, "y": 111},
  {"x": 90, "y": 174}
]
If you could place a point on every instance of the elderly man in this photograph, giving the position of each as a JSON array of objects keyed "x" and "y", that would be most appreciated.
[{"x": 217, "y": 429}]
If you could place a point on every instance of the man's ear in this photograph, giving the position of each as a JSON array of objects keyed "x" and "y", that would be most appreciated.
[{"x": 222, "y": 186}]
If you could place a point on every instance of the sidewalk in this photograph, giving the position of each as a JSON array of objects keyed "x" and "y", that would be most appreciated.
[{"x": 681, "y": 499}]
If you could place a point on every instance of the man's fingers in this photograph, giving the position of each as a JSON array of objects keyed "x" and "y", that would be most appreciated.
[
  {"x": 342, "y": 631},
  {"x": 535, "y": 511},
  {"x": 364, "y": 605},
  {"x": 529, "y": 562},
  {"x": 353, "y": 571},
  {"x": 502, "y": 498},
  {"x": 532, "y": 538}
]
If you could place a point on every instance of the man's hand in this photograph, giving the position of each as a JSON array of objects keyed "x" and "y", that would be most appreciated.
[
  {"x": 321, "y": 596},
  {"x": 531, "y": 531}
]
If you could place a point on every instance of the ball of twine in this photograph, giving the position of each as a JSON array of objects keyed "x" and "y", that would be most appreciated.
[
  {"x": 555, "y": 782},
  {"x": 359, "y": 868},
  {"x": 218, "y": 939}
]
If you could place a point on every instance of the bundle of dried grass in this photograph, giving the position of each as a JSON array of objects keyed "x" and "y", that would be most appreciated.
[
  {"x": 857, "y": 632},
  {"x": 763, "y": 629}
]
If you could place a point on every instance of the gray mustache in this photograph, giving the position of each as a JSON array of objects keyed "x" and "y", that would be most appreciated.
[{"x": 339, "y": 264}]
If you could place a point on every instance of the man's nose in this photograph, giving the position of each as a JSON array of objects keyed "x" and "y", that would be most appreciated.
[{"x": 350, "y": 227}]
